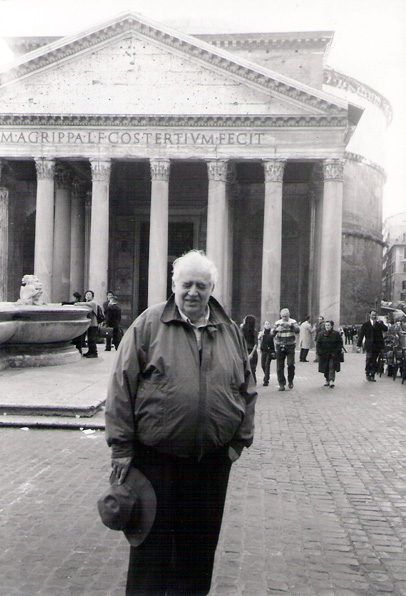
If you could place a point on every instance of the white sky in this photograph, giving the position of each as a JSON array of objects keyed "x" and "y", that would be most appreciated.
[{"x": 369, "y": 42}]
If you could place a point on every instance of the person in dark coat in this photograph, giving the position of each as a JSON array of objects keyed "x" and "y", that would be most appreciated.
[
  {"x": 180, "y": 409},
  {"x": 112, "y": 312},
  {"x": 329, "y": 346},
  {"x": 267, "y": 348},
  {"x": 251, "y": 337},
  {"x": 372, "y": 332}
]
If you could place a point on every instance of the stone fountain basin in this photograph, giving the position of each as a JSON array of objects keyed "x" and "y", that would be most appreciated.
[
  {"x": 45, "y": 324},
  {"x": 8, "y": 325}
]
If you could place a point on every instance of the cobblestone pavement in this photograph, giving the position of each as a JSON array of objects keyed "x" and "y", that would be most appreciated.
[{"x": 316, "y": 507}]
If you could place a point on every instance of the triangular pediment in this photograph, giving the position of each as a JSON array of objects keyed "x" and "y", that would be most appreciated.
[{"x": 132, "y": 66}]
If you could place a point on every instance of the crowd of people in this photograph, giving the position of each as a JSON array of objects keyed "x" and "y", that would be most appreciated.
[{"x": 376, "y": 338}]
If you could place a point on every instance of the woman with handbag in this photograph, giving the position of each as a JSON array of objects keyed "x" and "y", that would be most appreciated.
[
  {"x": 267, "y": 348},
  {"x": 329, "y": 349},
  {"x": 251, "y": 337}
]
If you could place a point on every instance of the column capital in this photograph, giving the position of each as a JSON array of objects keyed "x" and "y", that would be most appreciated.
[
  {"x": 45, "y": 168},
  {"x": 3, "y": 196},
  {"x": 333, "y": 169},
  {"x": 217, "y": 170},
  {"x": 160, "y": 169},
  {"x": 101, "y": 169},
  {"x": 273, "y": 169},
  {"x": 63, "y": 177}
]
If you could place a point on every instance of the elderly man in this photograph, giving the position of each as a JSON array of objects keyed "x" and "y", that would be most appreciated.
[
  {"x": 179, "y": 409},
  {"x": 284, "y": 332}
]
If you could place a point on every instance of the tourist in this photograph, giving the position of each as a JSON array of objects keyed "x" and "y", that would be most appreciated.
[
  {"x": 112, "y": 312},
  {"x": 91, "y": 304},
  {"x": 267, "y": 348},
  {"x": 251, "y": 337},
  {"x": 319, "y": 327},
  {"x": 372, "y": 334},
  {"x": 284, "y": 332},
  {"x": 305, "y": 339},
  {"x": 180, "y": 410},
  {"x": 329, "y": 348}
]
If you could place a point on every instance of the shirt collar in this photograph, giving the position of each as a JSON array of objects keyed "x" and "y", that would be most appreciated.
[{"x": 205, "y": 320}]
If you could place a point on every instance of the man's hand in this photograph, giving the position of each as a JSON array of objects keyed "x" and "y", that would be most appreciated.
[
  {"x": 120, "y": 466},
  {"x": 232, "y": 454}
]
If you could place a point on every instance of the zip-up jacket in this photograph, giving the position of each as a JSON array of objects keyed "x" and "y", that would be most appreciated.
[{"x": 168, "y": 395}]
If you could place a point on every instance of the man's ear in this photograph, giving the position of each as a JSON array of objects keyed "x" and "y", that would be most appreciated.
[{"x": 173, "y": 286}]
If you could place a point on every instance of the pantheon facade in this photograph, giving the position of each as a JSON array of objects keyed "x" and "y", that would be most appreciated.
[{"x": 125, "y": 145}]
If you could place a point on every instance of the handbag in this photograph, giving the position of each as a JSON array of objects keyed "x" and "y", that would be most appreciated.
[
  {"x": 342, "y": 355},
  {"x": 105, "y": 332}
]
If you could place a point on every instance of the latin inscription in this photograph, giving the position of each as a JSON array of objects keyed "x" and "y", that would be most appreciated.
[{"x": 115, "y": 137}]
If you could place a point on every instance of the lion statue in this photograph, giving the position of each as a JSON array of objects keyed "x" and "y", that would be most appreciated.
[{"x": 31, "y": 291}]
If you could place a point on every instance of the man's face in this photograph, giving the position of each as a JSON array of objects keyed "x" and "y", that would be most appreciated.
[
  {"x": 110, "y": 296},
  {"x": 285, "y": 316},
  {"x": 192, "y": 291},
  {"x": 373, "y": 315}
]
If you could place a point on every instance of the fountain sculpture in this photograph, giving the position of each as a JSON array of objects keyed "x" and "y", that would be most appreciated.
[{"x": 36, "y": 333}]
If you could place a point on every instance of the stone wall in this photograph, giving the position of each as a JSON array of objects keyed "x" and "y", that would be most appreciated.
[{"x": 361, "y": 275}]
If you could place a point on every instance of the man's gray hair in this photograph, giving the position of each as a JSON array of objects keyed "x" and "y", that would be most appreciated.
[
  {"x": 195, "y": 258},
  {"x": 284, "y": 311}
]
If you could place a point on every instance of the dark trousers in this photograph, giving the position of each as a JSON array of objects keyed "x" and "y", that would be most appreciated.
[
  {"x": 287, "y": 354},
  {"x": 91, "y": 340},
  {"x": 266, "y": 365},
  {"x": 177, "y": 556},
  {"x": 303, "y": 354},
  {"x": 253, "y": 365},
  {"x": 117, "y": 335},
  {"x": 370, "y": 362},
  {"x": 330, "y": 373}
]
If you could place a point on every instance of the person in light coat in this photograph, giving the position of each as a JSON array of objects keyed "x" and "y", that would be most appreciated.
[{"x": 305, "y": 339}]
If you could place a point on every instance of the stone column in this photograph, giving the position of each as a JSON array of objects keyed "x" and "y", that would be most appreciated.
[
  {"x": 88, "y": 216},
  {"x": 44, "y": 224},
  {"x": 315, "y": 193},
  {"x": 62, "y": 235},
  {"x": 331, "y": 240},
  {"x": 217, "y": 225},
  {"x": 3, "y": 240},
  {"x": 77, "y": 239},
  {"x": 272, "y": 241},
  {"x": 158, "y": 235},
  {"x": 99, "y": 229}
]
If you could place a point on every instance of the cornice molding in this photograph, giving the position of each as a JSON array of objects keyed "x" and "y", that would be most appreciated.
[
  {"x": 363, "y": 236},
  {"x": 350, "y": 85},
  {"x": 366, "y": 162},
  {"x": 260, "y": 41},
  {"x": 162, "y": 120},
  {"x": 232, "y": 65}
]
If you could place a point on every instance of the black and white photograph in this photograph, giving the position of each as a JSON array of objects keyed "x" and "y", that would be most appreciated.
[{"x": 202, "y": 298}]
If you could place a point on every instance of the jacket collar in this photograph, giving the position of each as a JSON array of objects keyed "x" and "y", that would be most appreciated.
[{"x": 217, "y": 317}]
